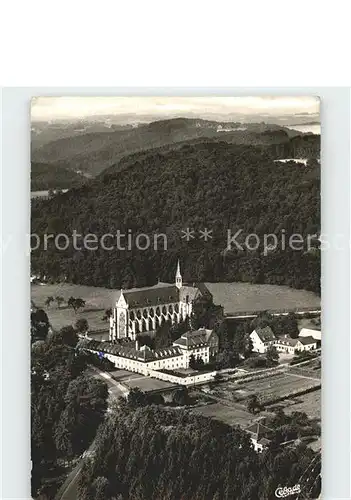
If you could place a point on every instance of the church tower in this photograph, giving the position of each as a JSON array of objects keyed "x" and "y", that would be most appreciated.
[{"x": 178, "y": 280}]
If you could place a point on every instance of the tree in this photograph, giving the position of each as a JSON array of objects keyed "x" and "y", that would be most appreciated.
[
  {"x": 242, "y": 343},
  {"x": 262, "y": 320},
  {"x": 218, "y": 377},
  {"x": 204, "y": 313},
  {"x": 313, "y": 163},
  {"x": 199, "y": 363},
  {"x": 156, "y": 399},
  {"x": 68, "y": 336},
  {"x": 146, "y": 339},
  {"x": 39, "y": 323},
  {"x": 79, "y": 304},
  {"x": 291, "y": 323},
  {"x": 75, "y": 303},
  {"x": 49, "y": 300},
  {"x": 59, "y": 300},
  {"x": 163, "y": 336},
  {"x": 82, "y": 325},
  {"x": 136, "y": 398},
  {"x": 272, "y": 355},
  {"x": 86, "y": 400},
  {"x": 107, "y": 314},
  {"x": 253, "y": 404},
  {"x": 181, "y": 396},
  {"x": 227, "y": 359},
  {"x": 71, "y": 302},
  {"x": 192, "y": 362},
  {"x": 101, "y": 488},
  {"x": 64, "y": 432}
]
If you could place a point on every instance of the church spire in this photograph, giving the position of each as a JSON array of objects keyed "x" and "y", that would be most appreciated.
[{"x": 178, "y": 280}]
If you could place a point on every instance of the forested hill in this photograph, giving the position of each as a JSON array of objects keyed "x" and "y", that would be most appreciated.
[
  {"x": 159, "y": 454},
  {"x": 44, "y": 176},
  {"x": 277, "y": 143},
  {"x": 94, "y": 152},
  {"x": 209, "y": 185}
]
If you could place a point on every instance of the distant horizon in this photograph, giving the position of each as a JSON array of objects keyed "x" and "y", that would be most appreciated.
[{"x": 127, "y": 110}]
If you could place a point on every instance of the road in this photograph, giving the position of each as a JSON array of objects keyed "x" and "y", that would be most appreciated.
[
  {"x": 299, "y": 313},
  {"x": 116, "y": 389},
  {"x": 69, "y": 489}
]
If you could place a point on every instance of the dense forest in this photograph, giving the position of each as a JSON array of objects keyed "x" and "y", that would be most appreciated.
[
  {"x": 208, "y": 185},
  {"x": 44, "y": 176},
  {"x": 67, "y": 406},
  {"x": 166, "y": 454}
]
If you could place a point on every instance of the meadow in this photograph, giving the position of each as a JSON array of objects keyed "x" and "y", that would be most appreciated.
[
  {"x": 248, "y": 297},
  {"x": 231, "y": 415},
  {"x": 97, "y": 300}
]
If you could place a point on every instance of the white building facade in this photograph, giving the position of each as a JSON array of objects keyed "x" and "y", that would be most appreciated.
[
  {"x": 262, "y": 338},
  {"x": 127, "y": 355}
]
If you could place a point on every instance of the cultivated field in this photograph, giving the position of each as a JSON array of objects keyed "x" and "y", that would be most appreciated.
[
  {"x": 247, "y": 297},
  {"x": 267, "y": 388},
  {"x": 309, "y": 403}
]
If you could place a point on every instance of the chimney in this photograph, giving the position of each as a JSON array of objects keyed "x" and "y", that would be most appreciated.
[{"x": 137, "y": 344}]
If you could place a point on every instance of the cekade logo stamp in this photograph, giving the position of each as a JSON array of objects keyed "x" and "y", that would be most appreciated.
[{"x": 286, "y": 492}]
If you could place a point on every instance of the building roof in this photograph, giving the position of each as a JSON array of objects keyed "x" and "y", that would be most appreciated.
[
  {"x": 162, "y": 293},
  {"x": 128, "y": 350},
  {"x": 194, "y": 338},
  {"x": 266, "y": 334},
  {"x": 307, "y": 332},
  {"x": 187, "y": 291},
  {"x": 158, "y": 295},
  {"x": 307, "y": 340},
  {"x": 263, "y": 441},
  {"x": 259, "y": 431},
  {"x": 287, "y": 341},
  {"x": 203, "y": 290}
]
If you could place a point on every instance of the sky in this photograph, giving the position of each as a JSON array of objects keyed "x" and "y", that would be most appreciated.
[{"x": 225, "y": 108}]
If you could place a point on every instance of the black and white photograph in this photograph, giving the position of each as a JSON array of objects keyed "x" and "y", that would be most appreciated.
[{"x": 175, "y": 312}]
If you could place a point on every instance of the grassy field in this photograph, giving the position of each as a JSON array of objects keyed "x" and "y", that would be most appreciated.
[
  {"x": 95, "y": 297},
  {"x": 65, "y": 316},
  {"x": 247, "y": 297},
  {"x": 97, "y": 300},
  {"x": 234, "y": 297},
  {"x": 231, "y": 415}
]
